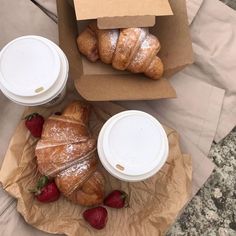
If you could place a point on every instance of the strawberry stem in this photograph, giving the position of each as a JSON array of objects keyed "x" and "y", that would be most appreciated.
[
  {"x": 32, "y": 190},
  {"x": 40, "y": 184},
  {"x": 125, "y": 196},
  {"x": 30, "y": 116},
  {"x": 35, "y": 191}
]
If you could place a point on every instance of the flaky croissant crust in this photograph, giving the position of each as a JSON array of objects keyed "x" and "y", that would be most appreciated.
[
  {"x": 132, "y": 49},
  {"x": 67, "y": 152}
]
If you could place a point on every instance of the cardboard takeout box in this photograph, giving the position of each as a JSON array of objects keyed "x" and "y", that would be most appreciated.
[{"x": 100, "y": 82}]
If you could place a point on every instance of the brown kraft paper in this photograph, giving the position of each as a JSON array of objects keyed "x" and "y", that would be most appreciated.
[{"x": 154, "y": 203}]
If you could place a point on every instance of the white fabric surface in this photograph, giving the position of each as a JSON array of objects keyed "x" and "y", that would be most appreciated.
[
  {"x": 49, "y": 5},
  {"x": 193, "y": 7},
  {"x": 195, "y": 114},
  {"x": 214, "y": 42}
]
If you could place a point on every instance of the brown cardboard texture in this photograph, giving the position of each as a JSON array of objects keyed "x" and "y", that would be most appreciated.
[
  {"x": 88, "y": 9},
  {"x": 125, "y": 22},
  {"x": 99, "y": 82}
]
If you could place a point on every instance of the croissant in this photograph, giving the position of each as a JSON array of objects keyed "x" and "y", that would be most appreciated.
[
  {"x": 132, "y": 49},
  {"x": 67, "y": 153}
]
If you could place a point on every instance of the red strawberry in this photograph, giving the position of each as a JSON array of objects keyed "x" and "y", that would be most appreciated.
[
  {"x": 34, "y": 123},
  {"x": 46, "y": 191},
  {"x": 96, "y": 217},
  {"x": 116, "y": 199}
]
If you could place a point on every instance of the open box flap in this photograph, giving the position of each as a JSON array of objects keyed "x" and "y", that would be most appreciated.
[
  {"x": 173, "y": 33},
  {"x": 114, "y": 88},
  {"x": 125, "y": 22},
  {"x": 89, "y": 9},
  {"x": 98, "y": 83}
]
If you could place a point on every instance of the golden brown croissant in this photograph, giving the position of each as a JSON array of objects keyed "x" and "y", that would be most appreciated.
[
  {"x": 67, "y": 152},
  {"x": 132, "y": 49}
]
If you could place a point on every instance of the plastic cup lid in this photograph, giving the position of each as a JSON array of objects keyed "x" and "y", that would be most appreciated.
[
  {"x": 28, "y": 66},
  {"x": 132, "y": 145},
  {"x": 53, "y": 91}
]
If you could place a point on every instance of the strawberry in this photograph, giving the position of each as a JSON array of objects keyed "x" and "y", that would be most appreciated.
[
  {"x": 46, "y": 191},
  {"x": 34, "y": 123},
  {"x": 116, "y": 199},
  {"x": 96, "y": 217}
]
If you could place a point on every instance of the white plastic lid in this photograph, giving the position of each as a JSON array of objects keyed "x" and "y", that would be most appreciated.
[
  {"x": 132, "y": 145},
  {"x": 56, "y": 88},
  {"x": 28, "y": 66}
]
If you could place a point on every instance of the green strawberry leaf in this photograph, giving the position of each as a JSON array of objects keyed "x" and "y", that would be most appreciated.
[
  {"x": 42, "y": 182},
  {"x": 30, "y": 116}
]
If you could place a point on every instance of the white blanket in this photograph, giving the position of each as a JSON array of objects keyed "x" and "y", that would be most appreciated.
[{"x": 205, "y": 107}]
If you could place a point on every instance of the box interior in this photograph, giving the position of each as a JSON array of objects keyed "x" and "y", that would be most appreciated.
[{"x": 99, "y": 82}]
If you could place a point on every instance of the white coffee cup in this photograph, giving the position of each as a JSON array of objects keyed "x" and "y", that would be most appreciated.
[
  {"x": 33, "y": 71},
  {"x": 132, "y": 146}
]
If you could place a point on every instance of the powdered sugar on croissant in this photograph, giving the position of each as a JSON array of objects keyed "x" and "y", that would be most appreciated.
[
  {"x": 127, "y": 47},
  {"x": 106, "y": 50},
  {"x": 145, "y": 55},
  {"x": 67, "y": 152},
  {"x": 132, "y": 49}
]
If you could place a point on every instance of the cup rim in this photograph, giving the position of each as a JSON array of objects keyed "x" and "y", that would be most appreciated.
[
  {"x": 118, "y": 174},
  {"x": 54, "y": 91}
]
